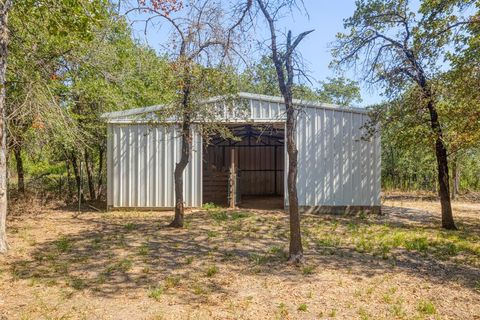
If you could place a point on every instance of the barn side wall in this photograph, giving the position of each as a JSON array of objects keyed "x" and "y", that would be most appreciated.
[
  {"x": 141, "y": 162},
  {"x": 337, "y": 168}
]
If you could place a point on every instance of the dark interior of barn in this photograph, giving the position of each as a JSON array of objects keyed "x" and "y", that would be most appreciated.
[{"x": 246, "y": 170}]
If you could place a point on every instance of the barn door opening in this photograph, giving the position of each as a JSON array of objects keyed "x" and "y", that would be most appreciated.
[{"x": 247, "y": 170}]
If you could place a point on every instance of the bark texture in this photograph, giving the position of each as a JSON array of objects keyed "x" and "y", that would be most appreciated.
[
  {"x": 90, "y": 179},
  {"x": 184, "y": 159},
  {"x": 17, "y": 150},
  {"x": 442, "y": 168},
  {"x": 285, "y": 75},
  {"x": 4, "y": 8}
]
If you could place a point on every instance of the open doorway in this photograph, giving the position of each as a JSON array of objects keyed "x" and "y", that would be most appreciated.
[{"x": 256, "y": 157}]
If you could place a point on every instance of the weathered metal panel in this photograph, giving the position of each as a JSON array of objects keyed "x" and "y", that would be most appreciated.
[
  {"x": 338, "y": 164},
  {"x": 141, "y": 162}
]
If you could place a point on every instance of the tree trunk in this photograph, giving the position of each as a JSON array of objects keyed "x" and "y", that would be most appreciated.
[
  {"x": 4, "y": 8},
  {"x": 76, "y": 172},
  {"x": 442, "y": 167},
  {"x": 295, "y": 249},
  {"x": 100, "y": 171},
  {"x": 17, "y": 150},
  {"x": 89, "y": 169},
  {"x": 184, "y": 157},
  {"x": 456, "y": 177},
  {"x": 178, "y": 175},
  {"x": 67, "y": 164}
]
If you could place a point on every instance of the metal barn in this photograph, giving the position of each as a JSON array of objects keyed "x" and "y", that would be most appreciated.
[{"x": 339, "y": 166}]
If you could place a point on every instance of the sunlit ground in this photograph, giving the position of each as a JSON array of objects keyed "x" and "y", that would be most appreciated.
[{"x": 231, "y": 265}]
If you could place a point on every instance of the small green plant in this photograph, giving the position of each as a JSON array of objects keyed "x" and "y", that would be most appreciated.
[
  {"x": 63, "y": 244},
  {"x": 397, "y": 311},
  {"x": 130, "y": 226},
  {"x": 189, "y": 260},
  {"x": 426, "y": 307},
  {"x": 212, "y": 234},
  {"x": 155, "y": 292},
  {"x": 302, "y": 307},
  {"x": 477, "y": 285},
  {"x": 418, "y": 244},
  {"x": 143, "y": 250},
  {"x": 363, "y": 314},
  {"x": 172, "y": 282},
  {"x": 123, "y": 265},
  {"x": 209, "y": 206},
  {"x": 308, "y": 270},
  {"x": 199, "y": 289},
  {"x": 257, "y": 258},
  {"x": 387, "y": 298},
  {"x": 282, "y": 310},
  {"x": 362, "y": 215},
  {"x": 219, "y": 216},
  {"x": 213, "y": 270},
  {"x": 332, "y": 313},
  {"x": 77, "y": 283},
  {"x": 239, "y": 215}
]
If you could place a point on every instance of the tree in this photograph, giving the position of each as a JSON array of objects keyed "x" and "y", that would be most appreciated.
[
  {"x": 341, "y": 91},
  {"x": 284, "y": 66},
  {"x": 5, "y": 6},
  {"x": 111, "y": 72},
  {"x": 403, "y": 52},
  {"x": 261, "y": 78},
  {"x": 200, "y": 39}
]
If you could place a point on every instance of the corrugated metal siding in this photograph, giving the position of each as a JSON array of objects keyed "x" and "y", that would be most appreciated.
[
  {"x": 336, "y": 167},
  {"x": 141, "y": 162}
]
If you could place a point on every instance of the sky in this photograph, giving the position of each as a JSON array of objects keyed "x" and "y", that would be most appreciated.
[{"x": 326, "y": 17}]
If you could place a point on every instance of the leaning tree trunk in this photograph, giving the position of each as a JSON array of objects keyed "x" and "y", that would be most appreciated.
[
  {"x": 4, "y": 8},
  {"x": 17, "y": 150},
  {"x": 442, "y": 167},
  {"x": 89, "y": 169}
]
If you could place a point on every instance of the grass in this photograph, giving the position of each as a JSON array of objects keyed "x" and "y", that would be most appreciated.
[
  {"x": 211, "y": 271},
  {"x": 172, "y": 282},
  {"x": 283, "y": 311},
  {"x": 63, "y": 244},
  {"x": 130, "y": 226},
  {"x": 302, "y": 307},
  {"x": 308, "y": 270},
  {"x": 384, "y": 240},
  {"x": 426, "y": 307},
  {"x": 230, "y": 251},
  {"x": 155, "y": 292}
]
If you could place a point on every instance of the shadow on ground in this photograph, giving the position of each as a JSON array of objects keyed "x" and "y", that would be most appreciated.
[{"x": 113, "y": 253}]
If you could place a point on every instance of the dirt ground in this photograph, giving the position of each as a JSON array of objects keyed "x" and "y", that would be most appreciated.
[{"x": 231, "y": 265}]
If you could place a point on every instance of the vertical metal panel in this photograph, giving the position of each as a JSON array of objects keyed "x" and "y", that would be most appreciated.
[
  {"x": 338, "y": 164},
  {"x": 141, "y": 162}
]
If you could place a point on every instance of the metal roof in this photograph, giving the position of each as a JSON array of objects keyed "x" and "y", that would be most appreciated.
[{"x": 111, "y": 116}]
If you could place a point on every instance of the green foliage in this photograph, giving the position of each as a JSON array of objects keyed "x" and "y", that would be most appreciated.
[
  {"x": 211, "y": 271},
  {"x": 426, "y": 307},
  {"x": 341, "y": 91},
  {"x": 302, "y": 307},
  {"x": 155, "y": 292}
]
